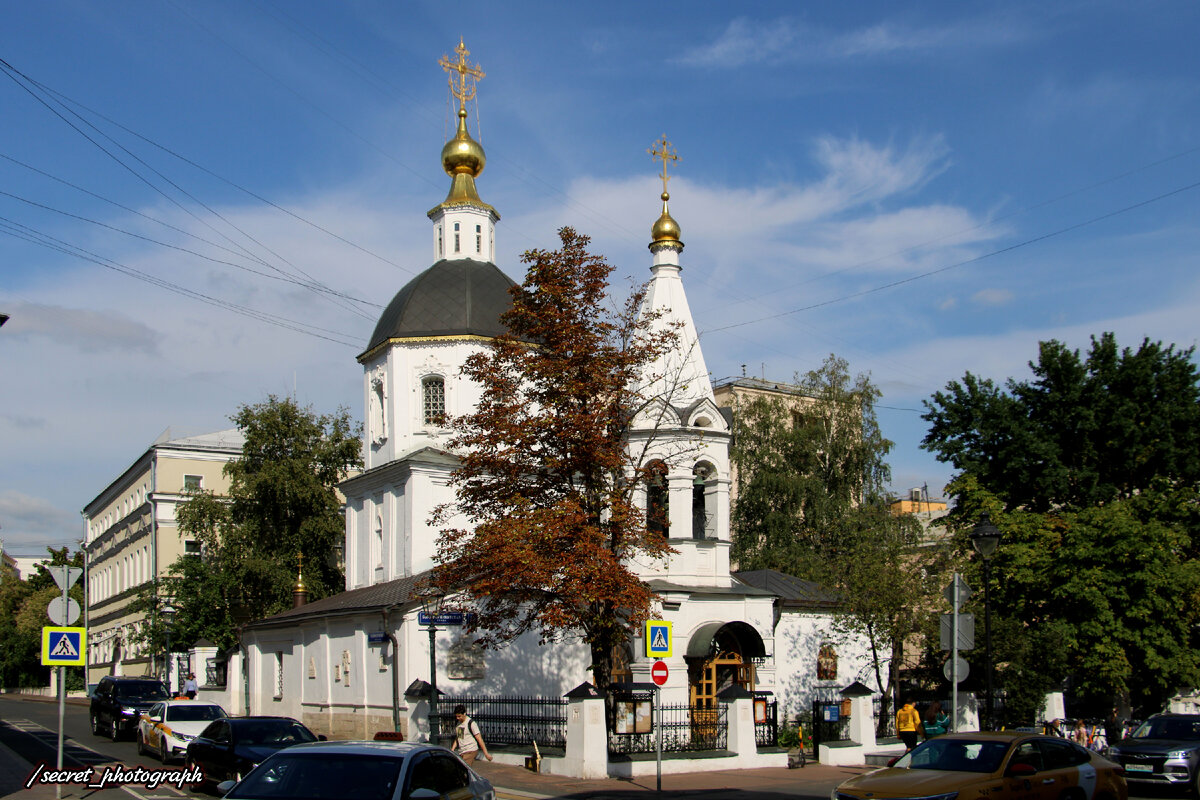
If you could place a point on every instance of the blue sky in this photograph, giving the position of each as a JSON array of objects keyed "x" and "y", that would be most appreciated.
[{"x": 923, "y": 189}]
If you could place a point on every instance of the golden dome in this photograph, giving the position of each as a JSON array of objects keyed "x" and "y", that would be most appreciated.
[
  {"x": 665, "y": 230},
  {"x": 462, "y": 155}
]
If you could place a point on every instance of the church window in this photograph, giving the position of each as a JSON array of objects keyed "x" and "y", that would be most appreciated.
[
  {"x": 440, "y": 245},
  {"x": 191, "y": 547},
  {"x": 193, "y": 483},
  {"x": 279, "y": 675},
  {"x": 433, "y": 391},
  {"x": 703, "y": 502},
  {"x": 456, "y": 244},
  {"x": 478, "y": 239},
  {"x": 658, "y": 502},
  {"x": 377, "y": 543}
]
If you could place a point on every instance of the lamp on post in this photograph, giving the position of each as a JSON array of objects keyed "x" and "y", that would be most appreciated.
[
  {"x": 168, "y": 615},
  {"x": 431, "y": 608},
  {"x": 984, "y": 538}
]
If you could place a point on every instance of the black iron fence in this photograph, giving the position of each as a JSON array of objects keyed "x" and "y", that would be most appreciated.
[
  {"x": 684, "y": 727},
  {"x": 766, "y": 721},
  {"x": 511, "y": 720},
  {"x": 828, "y": 723}
]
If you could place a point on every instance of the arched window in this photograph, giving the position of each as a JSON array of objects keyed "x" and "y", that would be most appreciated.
[
  {"x": 704, "y": 501},
  {"x": 826, "y": 663},
  {"x": 433, "y": 400},
  {"x": 658, "y": 499}
]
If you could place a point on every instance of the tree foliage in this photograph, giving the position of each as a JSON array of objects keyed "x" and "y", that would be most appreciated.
[
  {"x": 811, "y": 495},
  {"x": 1091, "y": 469},
  {"x": 23, "y": 605},
  {"x": 546, "y": 480},
  {"x": 1083, "y": 431},
  {"x": 282, "y": 504}
]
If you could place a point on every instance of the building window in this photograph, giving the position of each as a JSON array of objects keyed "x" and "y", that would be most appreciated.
[
  {"x": 191, "y": 547},
  {"x": 279, "y": 676},
  {"x": 658, "y": 500},
  {"x": 440, "y": 246},
  {"x": 478, "y": 239},
  {"x": 703, "y": 502},
  {"x": 456, "y": 246},
  {"x": 433, "y": 397},
  {"x": 192, "y": 483}
]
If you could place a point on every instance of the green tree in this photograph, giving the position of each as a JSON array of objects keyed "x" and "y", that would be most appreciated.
[
  {"x": 23, "y": 614},
  {"x": 546, "y": 478},
  {"x": 282, "y": 504},
  {"x": 811, "y": 502},
  {"x": 1083, "y": 431}
]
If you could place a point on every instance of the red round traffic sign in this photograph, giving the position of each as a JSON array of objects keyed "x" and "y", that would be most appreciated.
[{"x": 658, "y": 672}]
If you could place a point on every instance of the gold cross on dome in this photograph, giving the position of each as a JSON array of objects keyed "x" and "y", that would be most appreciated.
[
  {"x": 662, "y": 151},
  {"x": 462, "y": 85},
  {"x": 299, "y": 563}
]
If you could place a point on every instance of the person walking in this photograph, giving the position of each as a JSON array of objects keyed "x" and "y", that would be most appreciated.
[
  {"x": 1079, "y": 734},
  {"x": 468, "y": 741},
  {"x": 908, "y": 720},
  {"x": 936, "y": 720},
  {"x": 189, "y": 686}
]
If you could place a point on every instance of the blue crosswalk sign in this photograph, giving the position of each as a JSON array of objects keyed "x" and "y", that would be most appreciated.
[
  {"x": 63, "y": 647},
  {"x": 658, "y": 638}
]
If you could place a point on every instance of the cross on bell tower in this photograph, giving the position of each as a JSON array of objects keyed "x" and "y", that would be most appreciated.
[{"x": 463, "y": 76}]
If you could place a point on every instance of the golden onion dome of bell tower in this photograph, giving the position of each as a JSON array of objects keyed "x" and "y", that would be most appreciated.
[
  {"x": 462, "y": 157},
  {"x": 665, "y": 231}
]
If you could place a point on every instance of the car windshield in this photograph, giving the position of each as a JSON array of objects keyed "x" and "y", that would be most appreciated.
[
  {"x": 196, "y": 713},
  {"x": 143, "y": 691},
  {"x": 956, "y": 755},
  {"x": 1169, "y": 728},
  {"x": 322, "y": 776},
  {"x": 273, "y": 732}
]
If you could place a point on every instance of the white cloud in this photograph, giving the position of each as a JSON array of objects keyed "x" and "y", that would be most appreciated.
[
  {"x": 745, "y": 41},
  {"x": 27, "y": 521},
  {"x": 992, "y": 297},
  {"x": 80, "y": 329}
]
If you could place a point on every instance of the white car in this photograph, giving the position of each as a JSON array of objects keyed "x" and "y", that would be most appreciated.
[{"x": 168, "y": 726}]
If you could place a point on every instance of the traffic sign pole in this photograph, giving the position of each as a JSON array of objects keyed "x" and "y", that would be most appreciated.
[{"x": 954, "y": 658}]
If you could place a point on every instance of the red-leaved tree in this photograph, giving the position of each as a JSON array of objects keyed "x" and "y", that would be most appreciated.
[{"x": 546, "y": 479}]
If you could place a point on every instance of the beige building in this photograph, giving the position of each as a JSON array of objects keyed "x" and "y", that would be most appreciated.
[{"x": 131, "y": 539}]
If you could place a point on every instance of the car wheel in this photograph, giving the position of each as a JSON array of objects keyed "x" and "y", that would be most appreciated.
[
  {"x": 191, "y": 766},
  {"x": 164, "y": 750},
  {"x": 95, "y": 726},
  {"x": 114, "y": 730},
  {"x": 141, "y": 744}
]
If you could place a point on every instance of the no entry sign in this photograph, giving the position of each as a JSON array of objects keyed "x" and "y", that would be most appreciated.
[{"x": 658, "y": 672}]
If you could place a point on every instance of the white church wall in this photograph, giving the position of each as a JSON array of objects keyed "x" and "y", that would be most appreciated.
[{"x": 798, "y": 639}]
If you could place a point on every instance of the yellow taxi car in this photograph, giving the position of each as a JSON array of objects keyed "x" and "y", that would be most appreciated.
[
  {"x": 997, "y": 766},
  {"x": 167, "y": 727}
]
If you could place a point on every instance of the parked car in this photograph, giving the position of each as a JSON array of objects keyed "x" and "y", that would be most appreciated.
[
  {"x": 119, "y": 702},
  {"x": 364, "y": 771},
  {"x": 168, "y": 726},
  {"x": 1003, "y": 765},
  {"x": 1164, "y": 749},
  {"x": 227, "y": 749}
]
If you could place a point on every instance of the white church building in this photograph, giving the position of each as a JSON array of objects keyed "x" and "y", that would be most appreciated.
[{"x": 359, "y": 662}]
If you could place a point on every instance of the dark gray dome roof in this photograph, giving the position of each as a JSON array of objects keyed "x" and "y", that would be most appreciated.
[{"x": 451, "y": 298}]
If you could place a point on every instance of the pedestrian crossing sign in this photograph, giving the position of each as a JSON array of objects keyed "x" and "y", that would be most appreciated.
[
  {"x": 658, "y": 638},
  {"x": 63, "y": 647}
]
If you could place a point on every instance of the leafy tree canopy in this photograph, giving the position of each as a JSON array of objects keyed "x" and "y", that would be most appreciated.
[
  {"x": 546, "y": 478},
  {"x": 282, "y": 504},
  {"x": 1083, "y": 431},
  {"x": 23, "y": 614}
]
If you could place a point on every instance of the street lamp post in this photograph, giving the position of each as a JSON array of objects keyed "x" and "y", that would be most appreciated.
[
  {"x": 168, "y": 614},
  {"x": 984, "y": 538},
  {"x": 431, "y": 605}
]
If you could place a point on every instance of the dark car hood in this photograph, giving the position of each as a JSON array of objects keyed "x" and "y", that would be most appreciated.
[
  {"x": 255, "y": 753},
  {"x": 1151, "y": 746}
]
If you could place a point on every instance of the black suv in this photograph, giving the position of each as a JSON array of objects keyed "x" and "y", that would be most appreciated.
[
  {"x": 119, "y": 702},
  {"x": 1165, "y": 749}
]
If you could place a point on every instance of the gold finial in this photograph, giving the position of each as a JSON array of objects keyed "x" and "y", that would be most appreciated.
[
  {"x": 299, "y": 587},
  {"x": 664, "y": 153},
  {"x": 665, "y": 232},
  {"x": 462, "y": 86}
]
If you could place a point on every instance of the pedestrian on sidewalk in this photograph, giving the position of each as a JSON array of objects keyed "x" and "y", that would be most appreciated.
[
  {"x": 189, "y": 686},
  {"x": 468, "y": 741},
  {"x": 908, "y": 721}
]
